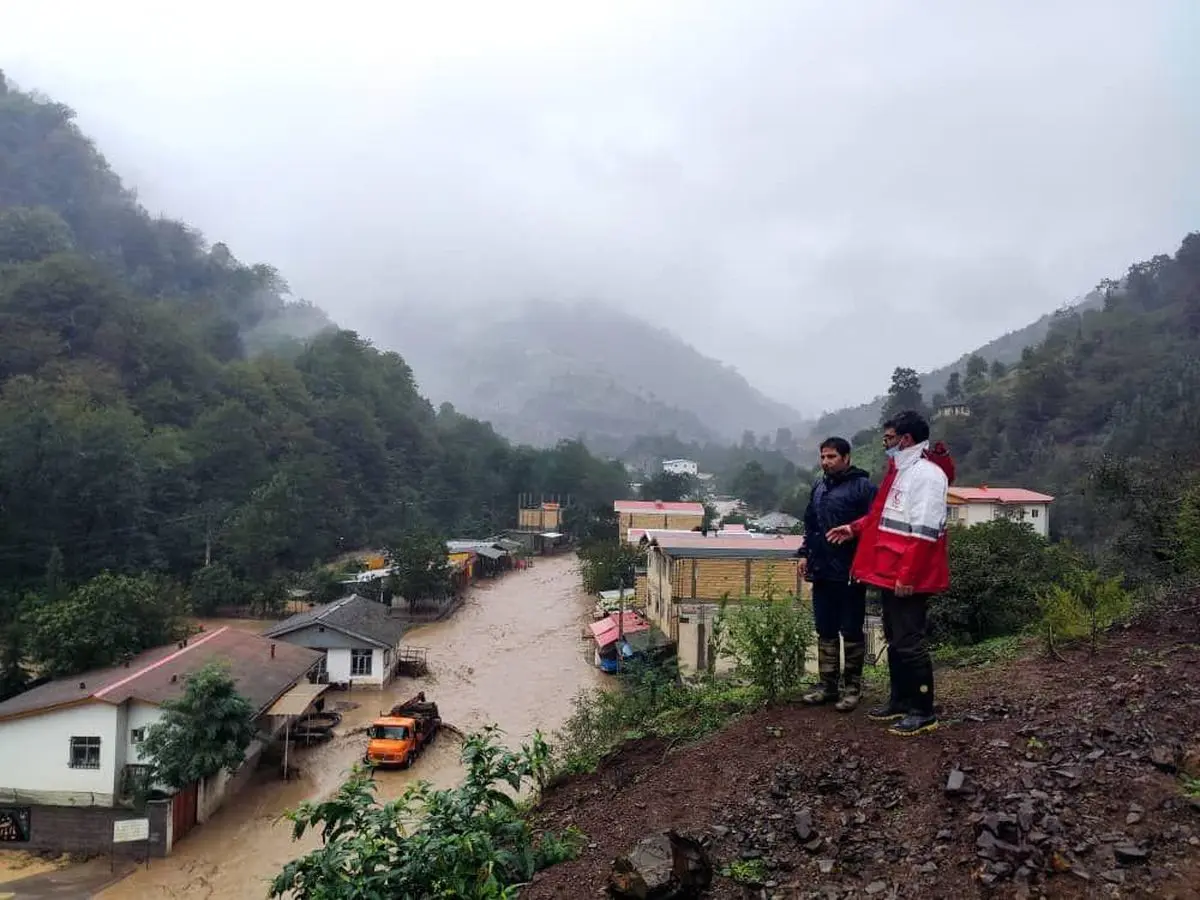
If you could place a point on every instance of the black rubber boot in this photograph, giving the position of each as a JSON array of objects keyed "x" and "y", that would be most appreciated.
[
  {"x": 826, "y": 691},
  {"x": 897, "y": 706}
]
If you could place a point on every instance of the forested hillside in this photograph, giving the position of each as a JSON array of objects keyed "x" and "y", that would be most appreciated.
[
  {"x": 155, "y": 414},
  {"x": 1105, "y": 414},
  {"x": 997, "y": 355}
]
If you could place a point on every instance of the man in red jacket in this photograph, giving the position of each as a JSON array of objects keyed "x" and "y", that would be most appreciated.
[{"x": 902, "y": 551}]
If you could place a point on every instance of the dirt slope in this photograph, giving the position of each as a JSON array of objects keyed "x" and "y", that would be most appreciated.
[{"x": 1068, "y": 790}]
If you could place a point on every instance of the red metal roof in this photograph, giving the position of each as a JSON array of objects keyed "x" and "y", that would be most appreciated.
[
  {"x": 659, "y": 506},
  {"x": 987, "y": 494},
  {"x": 747, "y": 545},
  {"x": 733, "y": 529},
  {"x": 608, "y": 629}
]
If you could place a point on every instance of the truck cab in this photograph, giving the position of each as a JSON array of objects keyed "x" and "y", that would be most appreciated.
[{"x": 392, "y": 741}]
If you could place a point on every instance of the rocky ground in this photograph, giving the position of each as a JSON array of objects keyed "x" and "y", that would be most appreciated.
[{"x": 1049, "y": 778}]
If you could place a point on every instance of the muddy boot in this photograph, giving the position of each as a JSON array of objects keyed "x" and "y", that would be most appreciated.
[
  {"x": 827, "y": 664},
  {"x": 920, "y": 719},
  {"x": 856, "y": 655},
  {"x": 896, "y": 707}
]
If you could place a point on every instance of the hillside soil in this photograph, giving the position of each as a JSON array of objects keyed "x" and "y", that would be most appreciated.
[{"x": 1054, "y": 778}]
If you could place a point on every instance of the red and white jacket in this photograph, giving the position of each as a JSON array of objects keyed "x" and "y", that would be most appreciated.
[{"x": 902, "y": 540}]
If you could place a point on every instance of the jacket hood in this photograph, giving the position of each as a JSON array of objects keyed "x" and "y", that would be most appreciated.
[{"x": 910, "y": 455}]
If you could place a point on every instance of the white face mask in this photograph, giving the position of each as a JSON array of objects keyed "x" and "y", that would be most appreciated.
[{"x": 892, "y": 452}]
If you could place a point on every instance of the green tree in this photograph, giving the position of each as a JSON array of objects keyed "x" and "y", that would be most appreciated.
[
  {"x": 216, "y": 586},
  {"x": 110, "y": 618},
  {"x": 977, "y": 373},
  {"x": 954, "y": 389},
  {"x": 757, "y": 487},
  {"x": 421, "y": 568},
  {"x": 904, "y": 393},
  {"x": 206, "y": 730},
  {"x": 607, "y": 565},
  {"x": 667, "y": 487}
]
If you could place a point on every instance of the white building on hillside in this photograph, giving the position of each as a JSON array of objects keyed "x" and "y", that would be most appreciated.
[
  {"x": 975, "y": 505},
  {"x": 680, "y": 467}
]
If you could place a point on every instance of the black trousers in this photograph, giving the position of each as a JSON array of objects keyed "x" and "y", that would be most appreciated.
[
  {"x": 839, "y": 607},
  {"x": 905, "y": 624}
]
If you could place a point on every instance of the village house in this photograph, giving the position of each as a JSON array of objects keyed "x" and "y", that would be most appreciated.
[
  {"x": 684, "y": 467},
  {"x": 688, "y": 576},
  {"x": 358, "y": 639},
  {"x": 657, "y": 514},
  {"x": 975, "y": 505},
  {"x": 69, "y": 748}
]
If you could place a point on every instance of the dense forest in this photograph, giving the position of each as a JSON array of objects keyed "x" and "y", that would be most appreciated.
[
  {"x": 1104, "y": 414},
  {"x": 164, "y": 405}
]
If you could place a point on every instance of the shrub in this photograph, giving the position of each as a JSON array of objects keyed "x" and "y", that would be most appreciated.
[
  {"x": 997, "y": 570},
  {"x": 471, "y": 841},
  {"x": 1085, "y": 606},
  {"x": 769, "y": 639}
]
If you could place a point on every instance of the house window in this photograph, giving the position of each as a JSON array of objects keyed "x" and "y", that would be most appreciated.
[
  {"x": 1033, "y": 513},
  {"x": 137, "y": 735},
  {"x": 85, "y": 753},
  {"x": 360, "y": 662}
]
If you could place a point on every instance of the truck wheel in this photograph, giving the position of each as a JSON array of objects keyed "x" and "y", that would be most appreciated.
[{"x": 408, "y": 761}]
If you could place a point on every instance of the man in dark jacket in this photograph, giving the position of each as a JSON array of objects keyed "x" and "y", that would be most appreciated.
[{"x": 843, "y": 495}]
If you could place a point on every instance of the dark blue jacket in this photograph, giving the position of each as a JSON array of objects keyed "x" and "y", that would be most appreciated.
[{"x": 836, "y": 500}]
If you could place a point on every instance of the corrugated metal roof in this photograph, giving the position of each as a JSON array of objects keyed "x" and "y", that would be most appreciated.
[
  {"x": 607, "y": 629},
  {"x": 997, "y": 495},
  {"x": 743, "y": 546},
  {"x": 297, "y": 700},
  {"x": 658, "y": 506}
]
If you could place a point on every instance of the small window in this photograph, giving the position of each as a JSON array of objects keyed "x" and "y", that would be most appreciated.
[
  {"x": 137, "y": 735},
  {"x": 1033, "y": 513},
  {"x": 85, "y": 753},
  {"x": 360, "y": 661}
]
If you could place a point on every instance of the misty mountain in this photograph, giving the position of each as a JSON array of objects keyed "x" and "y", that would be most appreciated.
[
  {"x": 544, "y": 371},
  {"x": 1006, "y": 349}
]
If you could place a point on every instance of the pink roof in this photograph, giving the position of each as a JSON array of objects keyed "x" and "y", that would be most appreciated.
[
  {"x": 610, "y": 627},
  {"x": 658, "y": 506},
  {"x": 987, "y": 494},
  {"x": 733, "y": 529},
  {"x": 745, "y": 546}
]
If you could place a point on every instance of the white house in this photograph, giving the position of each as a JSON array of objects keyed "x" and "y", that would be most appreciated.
[
  {"x": 974, "y": 505},
  {"x": 358, "y": 638},
  {"x": 69, "y": 748},
  {"x": 680, "y": 467}
]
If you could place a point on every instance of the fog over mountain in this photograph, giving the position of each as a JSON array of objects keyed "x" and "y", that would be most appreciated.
[{"x": 811, "y": 193}]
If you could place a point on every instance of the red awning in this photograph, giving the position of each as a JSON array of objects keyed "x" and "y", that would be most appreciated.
[{"x": 607, "y": 629}]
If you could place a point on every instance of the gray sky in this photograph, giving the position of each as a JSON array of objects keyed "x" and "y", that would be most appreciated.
[{"x": 812, "y": 192}]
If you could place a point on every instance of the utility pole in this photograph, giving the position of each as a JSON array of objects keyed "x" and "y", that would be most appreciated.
[{"x": 620, "y": 619}]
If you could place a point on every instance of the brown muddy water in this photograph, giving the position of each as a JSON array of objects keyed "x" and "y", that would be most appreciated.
[{"x": 513, "y": 655}]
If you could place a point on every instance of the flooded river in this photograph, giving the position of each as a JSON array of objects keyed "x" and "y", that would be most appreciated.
[{"x": 512, "y": 655}]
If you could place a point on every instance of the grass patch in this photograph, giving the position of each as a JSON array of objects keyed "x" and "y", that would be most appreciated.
[
  {"x": 750, "y": 872},
  {"x": 985, "y": 653}
]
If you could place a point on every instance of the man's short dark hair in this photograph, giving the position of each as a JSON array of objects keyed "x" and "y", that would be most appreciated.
[
  {"x": 909, "y": 422},
  {"x": 839, "y": 445}
]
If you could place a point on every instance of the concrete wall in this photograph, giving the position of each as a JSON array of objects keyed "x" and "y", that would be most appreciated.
[
  {"x": 89, "y": 830},
  {"x": 337, "y": 647},
  {"x": 35, "y": 752},
  {"x": 1036, "y": 515}
]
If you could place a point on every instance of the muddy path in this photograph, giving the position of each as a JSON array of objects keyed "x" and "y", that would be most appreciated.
[{"x": 512, "y": 655}]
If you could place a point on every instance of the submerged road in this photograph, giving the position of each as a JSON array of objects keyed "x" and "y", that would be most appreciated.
[{"x": 511, "y": 655}]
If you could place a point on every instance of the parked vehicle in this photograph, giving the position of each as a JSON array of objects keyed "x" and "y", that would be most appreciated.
[{"x": 397, "y": 739}]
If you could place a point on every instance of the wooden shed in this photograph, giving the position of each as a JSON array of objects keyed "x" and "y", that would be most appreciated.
[{"x": 679, "y": 516}]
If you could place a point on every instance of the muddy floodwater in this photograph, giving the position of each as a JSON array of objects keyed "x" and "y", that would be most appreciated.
[{"x": 512, "y": 655}]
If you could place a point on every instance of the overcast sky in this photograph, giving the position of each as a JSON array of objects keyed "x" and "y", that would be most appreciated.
[{"x": 812, "y": 192}]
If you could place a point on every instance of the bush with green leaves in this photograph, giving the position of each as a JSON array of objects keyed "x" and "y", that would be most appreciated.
[
  {"x": 470, "y": 842},
  {"x": 607, "y": 565},
  {"x": 1082, "y": 609},
  {"x": 997, "y": 571},
  {"x": 769, "y": 638},
  {"x": 650, "y": 701}
]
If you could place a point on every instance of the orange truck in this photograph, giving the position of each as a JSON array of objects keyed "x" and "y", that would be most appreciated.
[{"x": 397, "y": 739}]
